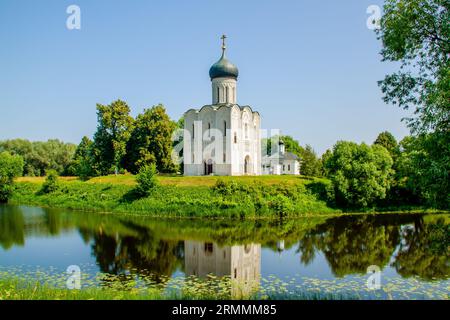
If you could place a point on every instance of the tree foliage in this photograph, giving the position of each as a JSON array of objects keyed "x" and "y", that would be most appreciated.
[
  {"x": 11, "y": 166},
  {"x": 146, "y": 180},
  {"x": 360, "y": 174},
  {"x": 51, "y": 183},
  {"x": 83, "y": 165},
  {"x": 416, "y": 33},
  {"x": 151, "y": 141},
  {"x": 310, "y": 165},
  {"x": 113, "y": 132},
  {"x": 41, "y": 156},
  {"x": 424, "y": 168},
  {"x": 388, "y": 141}
]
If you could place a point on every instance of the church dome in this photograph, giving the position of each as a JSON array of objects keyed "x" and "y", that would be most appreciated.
[{"x": 223, "y": 68}]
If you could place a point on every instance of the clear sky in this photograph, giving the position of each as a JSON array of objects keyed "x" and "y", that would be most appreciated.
[{"x": 309, "y": 67}]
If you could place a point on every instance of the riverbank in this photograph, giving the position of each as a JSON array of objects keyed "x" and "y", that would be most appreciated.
[
  {"x": 177, "y": 196},
  {"x": 15, "y": 288},
  {"x": 234, "y": 197}
]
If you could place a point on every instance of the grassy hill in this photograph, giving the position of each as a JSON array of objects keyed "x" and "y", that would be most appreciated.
[{"x": 238, "y": 197}]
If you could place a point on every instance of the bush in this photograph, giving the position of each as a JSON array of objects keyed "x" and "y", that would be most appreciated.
[
  {"x": 51, "y": 183},
  {"x": 10, "y": 168},
  {"x": 281, "y": 205},
  {"x": 361, "y": 174},
  {"x": 323, "y": 190},
  {"x": 146, "y": 180}
]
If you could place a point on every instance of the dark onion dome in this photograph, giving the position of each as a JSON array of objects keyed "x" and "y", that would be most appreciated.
[{"x": 223, "y": 68}]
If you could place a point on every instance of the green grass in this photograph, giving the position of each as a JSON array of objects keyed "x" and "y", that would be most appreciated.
[
  {"x": 250, "y": 197},
  {"x": 191, "y": 288},
  {"x": 181, "y": 181},
  {"x": 177, "y": 196}
]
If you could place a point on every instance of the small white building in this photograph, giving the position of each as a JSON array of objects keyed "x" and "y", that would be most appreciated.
[
  {"x": 281, "y": 162},
  {"x": 222, "y": 138}
]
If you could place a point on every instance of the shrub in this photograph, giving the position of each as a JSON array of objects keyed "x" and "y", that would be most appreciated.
[
  {"x": 360, "y": 174},
  {"x": 323, "y": 190},
  {"x": 11, "y": 166},
  {"x": 146, "y": 180},
  {"x": 51, "y": 183},
  {"x": 281, "y": 205}
]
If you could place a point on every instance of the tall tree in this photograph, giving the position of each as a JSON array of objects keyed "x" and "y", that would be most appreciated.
[
  {"x": 113, "y": 132},
  {"x": 151, "y": 141},
  {"x": 82, "y": 164},
  {"x": 310, "y": 164},
  {"x": 387, "y": 140},
  {"x": 416, "y": 33},
  {"x": 11, "y": 166},
  {"x": 424, "y": 168}
]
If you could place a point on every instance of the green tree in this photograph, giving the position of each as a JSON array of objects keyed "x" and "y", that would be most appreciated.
[
  {"x": 51, "y": 183},
  {"x": 41, "y": 156},
  {"x": 113, "y": 132},
  {"x": 146, "y": 180},
  {"x": 11, "y": 166},
  {"x": 151, "y": 141},
  {"x": 360, "y": 174},
  {"x": 310, "y": 164},
  {"x": 388, "y": 141},
  {"x": 424, "y": 168},
  {"x": 82, "y": 164},
  {"x": 416, "y": 33}
]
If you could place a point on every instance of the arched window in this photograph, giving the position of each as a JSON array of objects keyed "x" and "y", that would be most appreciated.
[
  {"x": 193, "y": 131},
  {"x": 225, "y": 128},
  {"x": 209, "y": 129},
  {"x": 235, "y": 137}
]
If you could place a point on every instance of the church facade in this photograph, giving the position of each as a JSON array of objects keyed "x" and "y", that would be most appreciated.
[{"x": 222, "y": 138}]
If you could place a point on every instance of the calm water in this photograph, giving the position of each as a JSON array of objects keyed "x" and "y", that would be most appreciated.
[{"x": 329, "y": 254}]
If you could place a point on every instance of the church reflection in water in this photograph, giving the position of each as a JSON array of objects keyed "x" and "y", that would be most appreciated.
[{"x": 242, "y": 263}]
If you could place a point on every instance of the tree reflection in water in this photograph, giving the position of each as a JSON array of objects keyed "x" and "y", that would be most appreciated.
[
  {"x": 351, "y": 244},
  {"x": 414, "y": 245}
]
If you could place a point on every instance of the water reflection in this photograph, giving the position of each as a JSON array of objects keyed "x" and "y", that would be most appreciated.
[
  {"x": 240, "y": 263},
  {"x": 413, "y": 245}
]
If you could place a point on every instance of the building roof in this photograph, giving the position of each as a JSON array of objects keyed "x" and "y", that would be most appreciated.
[
  {"x": 222, "y": 105},
  {"x": 280, "y": 157},
  {"x": 289, "y": 156},
  {"x": 223, "y": 68}
]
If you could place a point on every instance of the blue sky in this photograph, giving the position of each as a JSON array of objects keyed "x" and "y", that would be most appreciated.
[{"x": 309, "y": 67}]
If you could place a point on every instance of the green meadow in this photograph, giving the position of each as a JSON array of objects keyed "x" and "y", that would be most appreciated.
[{"x": 212, "y": 197}]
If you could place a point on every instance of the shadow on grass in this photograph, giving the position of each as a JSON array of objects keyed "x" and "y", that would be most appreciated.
[{"x": 131, "y": 196}]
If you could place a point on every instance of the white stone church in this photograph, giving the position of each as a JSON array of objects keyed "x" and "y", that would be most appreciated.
[{"x": 222, "y": 138}]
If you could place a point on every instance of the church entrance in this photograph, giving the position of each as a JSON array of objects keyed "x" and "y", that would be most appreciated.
[
  {"x": 208, "y": 167},
  {"x": 247, "y": 165}
]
